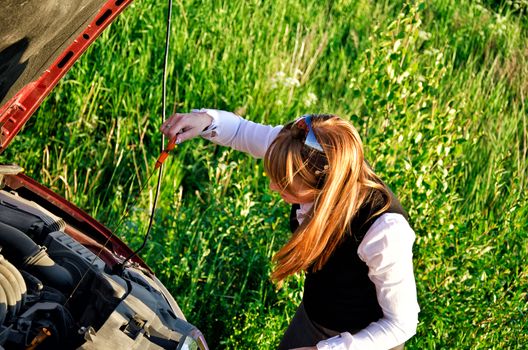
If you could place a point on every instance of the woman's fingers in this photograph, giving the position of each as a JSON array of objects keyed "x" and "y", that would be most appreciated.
[
  {"x": 187, "y": 135},
  {"x": 171, "y": 127},
  {"x": 185, "y": 125}
]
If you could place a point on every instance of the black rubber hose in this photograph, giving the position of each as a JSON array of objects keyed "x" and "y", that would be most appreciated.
[{"x": 26, "y": 254}]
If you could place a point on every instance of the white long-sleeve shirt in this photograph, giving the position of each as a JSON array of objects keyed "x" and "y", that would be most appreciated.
[{"x": 386, "y": 248}]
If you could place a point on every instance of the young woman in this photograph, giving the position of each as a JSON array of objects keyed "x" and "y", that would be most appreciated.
[{"x": 350, "y": 234}]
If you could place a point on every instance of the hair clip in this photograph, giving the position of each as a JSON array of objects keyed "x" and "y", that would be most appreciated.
[
  {"x": 304, "y": 123},
  {"x": 319, "y": 172}
]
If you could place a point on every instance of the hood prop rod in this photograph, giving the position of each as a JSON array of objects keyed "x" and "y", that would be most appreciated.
[
  {"x": 118, "y": 268},
  {"x": 163, "y": 152}
]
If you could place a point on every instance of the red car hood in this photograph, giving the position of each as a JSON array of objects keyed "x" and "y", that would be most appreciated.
[{"x": 39, "y": 42}]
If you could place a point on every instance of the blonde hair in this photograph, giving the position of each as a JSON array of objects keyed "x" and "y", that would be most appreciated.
[{"x": 339, "y": 179}]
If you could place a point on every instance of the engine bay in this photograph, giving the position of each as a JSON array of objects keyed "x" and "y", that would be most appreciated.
[{"x": 57, "y": 293}]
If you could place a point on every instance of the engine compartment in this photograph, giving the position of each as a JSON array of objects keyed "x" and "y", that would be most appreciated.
[
  {"x": 57, "y": 293},
  {"x": 41, "y": 269}
]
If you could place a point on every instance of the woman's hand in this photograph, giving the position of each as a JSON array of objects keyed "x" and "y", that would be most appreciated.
[{"x": 185, "y": 125}]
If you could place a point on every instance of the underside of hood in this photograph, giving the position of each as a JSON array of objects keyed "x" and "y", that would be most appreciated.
[{"x": 39, "y": 42}]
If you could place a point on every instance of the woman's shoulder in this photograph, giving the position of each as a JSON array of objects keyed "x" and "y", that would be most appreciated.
[
  {"x": 390, "y": 232},
  {"x": 389, "y": 220}
]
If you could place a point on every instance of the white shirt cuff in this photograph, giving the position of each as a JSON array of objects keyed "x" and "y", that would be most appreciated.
[{"x": 223, "y": 128}]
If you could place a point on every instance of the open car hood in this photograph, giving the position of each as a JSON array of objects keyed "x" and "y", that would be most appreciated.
[{"x": 39, "y": 42}]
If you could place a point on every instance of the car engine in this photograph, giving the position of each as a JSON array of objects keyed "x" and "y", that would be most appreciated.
[{"x": 56, "y": 293}]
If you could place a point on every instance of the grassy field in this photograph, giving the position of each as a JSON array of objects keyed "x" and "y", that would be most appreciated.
[{"x": 437, "y": 90}]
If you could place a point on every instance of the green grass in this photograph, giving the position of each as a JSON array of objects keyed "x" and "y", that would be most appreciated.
[{"x": 438, "y": 92}]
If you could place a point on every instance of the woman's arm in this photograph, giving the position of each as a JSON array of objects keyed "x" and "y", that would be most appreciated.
[
  {"x": 387, "y": 251},
  {"x": 228, "y": 129},
  {"x": 223, "y": 128}
]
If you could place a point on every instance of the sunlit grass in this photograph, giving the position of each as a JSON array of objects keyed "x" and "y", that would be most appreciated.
[{"x": 437, "y": 91}]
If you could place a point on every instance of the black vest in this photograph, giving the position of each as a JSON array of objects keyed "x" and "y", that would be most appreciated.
[{"x": 341, "y": 296}]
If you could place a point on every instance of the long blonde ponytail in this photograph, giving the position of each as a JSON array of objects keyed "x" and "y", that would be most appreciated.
[{"x": 339, "y": 179}]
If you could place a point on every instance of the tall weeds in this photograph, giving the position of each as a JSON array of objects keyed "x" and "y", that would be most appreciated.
[{"x": 437, "y": 90}]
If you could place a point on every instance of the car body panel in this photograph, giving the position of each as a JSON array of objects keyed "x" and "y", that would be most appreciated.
[{"x": 26, "y": 78}]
